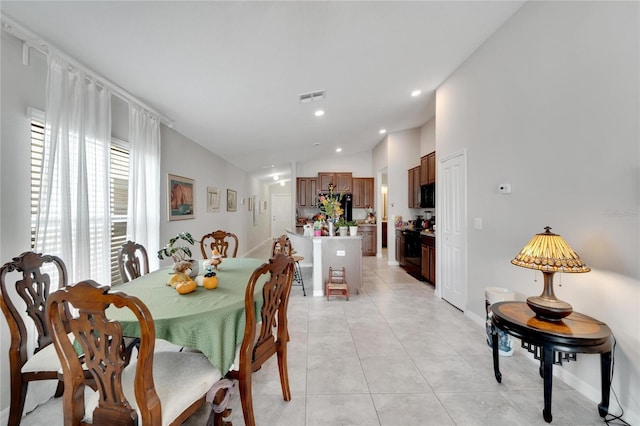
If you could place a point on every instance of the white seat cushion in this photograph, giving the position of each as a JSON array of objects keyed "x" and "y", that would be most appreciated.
[
  {"x": 44, "y": 360},
  {"x": 180, "y": 379}
]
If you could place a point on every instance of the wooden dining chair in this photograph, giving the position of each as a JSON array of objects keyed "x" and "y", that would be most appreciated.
[
  {"x": 161, "y": 388},
  {"x": 282, "y": 244},
  {"x": 256, "y": 349},
  {"x": 26, "y": 297},
  {"x": 133, "y": 261},
  {"x": 225, "y": 242}
]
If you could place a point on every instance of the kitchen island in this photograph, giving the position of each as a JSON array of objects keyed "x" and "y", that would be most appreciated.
[{"x": 335, "y": 252}]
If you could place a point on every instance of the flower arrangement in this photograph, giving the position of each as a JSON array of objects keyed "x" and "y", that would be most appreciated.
[{"x": 330, "y": 204}]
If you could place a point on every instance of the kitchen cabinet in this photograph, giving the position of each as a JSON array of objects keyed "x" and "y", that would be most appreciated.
[
  {"x": 428, "y": 169},
  {"x": 414, "y": 188},
  {"x": 428, "y": 259},
  {"x": 362, "y": 193},
  {"x": 369, "y": 240},
  {"x": 342, "y": 181},
  {"x": 306, "y": 192}
]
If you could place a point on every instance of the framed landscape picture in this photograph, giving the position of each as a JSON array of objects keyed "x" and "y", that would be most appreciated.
[
  {"x": 213, "y": 199},
  {"x": 180, "y": 192},
  {"x": 232, "y": 200}
]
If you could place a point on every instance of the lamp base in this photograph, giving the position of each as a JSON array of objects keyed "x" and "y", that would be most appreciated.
[{"x": 549, "y": 309}]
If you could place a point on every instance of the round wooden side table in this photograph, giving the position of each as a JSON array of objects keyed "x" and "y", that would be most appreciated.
[{"x": 553, "y": 342}]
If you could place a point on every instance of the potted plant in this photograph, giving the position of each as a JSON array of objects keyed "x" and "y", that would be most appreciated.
[
  {"x": 343, "y": 227},
  {"x": 353, "y": 228},
  {"x": 178, "y": 251}
]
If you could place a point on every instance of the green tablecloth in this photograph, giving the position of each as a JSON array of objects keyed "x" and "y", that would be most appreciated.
[{"x": 211, "y": 321}]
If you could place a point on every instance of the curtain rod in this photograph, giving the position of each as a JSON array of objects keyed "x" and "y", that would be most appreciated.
[{"x": 32, "y": 40}]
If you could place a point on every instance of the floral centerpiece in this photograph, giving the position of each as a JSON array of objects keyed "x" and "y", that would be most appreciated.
[
  {"x": 330, "y": 205},
  {"x": 331, "y": 208}
]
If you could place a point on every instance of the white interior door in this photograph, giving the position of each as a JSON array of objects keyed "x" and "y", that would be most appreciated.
[
  {"x": 281, "y": 217},
  {"x": 452, "y": 229}
]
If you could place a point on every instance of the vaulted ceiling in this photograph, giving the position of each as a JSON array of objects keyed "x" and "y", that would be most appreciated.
[{"x": 229, "y": 74}]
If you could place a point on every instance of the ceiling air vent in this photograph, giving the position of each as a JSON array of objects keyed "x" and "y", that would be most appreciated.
[{"x": 318, "y": 95}]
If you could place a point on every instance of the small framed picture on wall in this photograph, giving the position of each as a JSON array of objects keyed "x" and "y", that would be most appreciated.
[
  {"x": 180, "y": 192},
  {"x": 232, "y": 200},
  {"x": 213, "y": 199}
]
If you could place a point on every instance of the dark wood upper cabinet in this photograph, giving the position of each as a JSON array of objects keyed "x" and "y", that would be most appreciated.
[
  {"x": 306, "y": 192},
  {"x": 428, "y": 169},
  {"x": 431, "y": 160},
  {"x": 341, "y": 181},
  {"x": 363, "y": 193},
  {"x": 413, "y": 184}
]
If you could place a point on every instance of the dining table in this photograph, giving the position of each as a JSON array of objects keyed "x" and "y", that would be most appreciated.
[{"x": 209, "y": 320}]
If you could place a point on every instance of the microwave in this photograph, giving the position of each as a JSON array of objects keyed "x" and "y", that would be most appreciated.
[{"x": 428, "y": 195}]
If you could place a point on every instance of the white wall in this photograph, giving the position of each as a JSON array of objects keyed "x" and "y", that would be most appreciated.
[
  {"x": 22, "y": 87},
  {"x": 359, "y": 164},
  {"x": 182, "y": 157},
  {"x": 428, "y": 137},
  {"x": 380, "y": 163},
  {"x": 550, "y": 104},
  {"x": 403, "y": 154}
]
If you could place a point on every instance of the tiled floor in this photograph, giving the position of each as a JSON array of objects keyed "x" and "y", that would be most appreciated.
[{"x": 395, "y": 355}]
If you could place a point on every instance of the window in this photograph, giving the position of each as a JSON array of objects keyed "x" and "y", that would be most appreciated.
[
  {"x": 119, "y": 192},
  {"x": 118, "y": 182}
]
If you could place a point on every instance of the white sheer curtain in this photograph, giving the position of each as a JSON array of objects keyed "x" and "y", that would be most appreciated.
[
  {"x": 143, "y": 212},
  {"x": 73, "y": 219}
]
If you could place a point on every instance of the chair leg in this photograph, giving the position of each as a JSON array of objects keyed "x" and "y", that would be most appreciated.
[
  {"x": 244, "y": 387},
  {"x": 284, "y": 373},
  {"x": 16, "y": 406}
]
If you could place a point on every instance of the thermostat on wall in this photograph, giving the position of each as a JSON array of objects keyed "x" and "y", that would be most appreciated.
[{"x": 504, "y": 188}]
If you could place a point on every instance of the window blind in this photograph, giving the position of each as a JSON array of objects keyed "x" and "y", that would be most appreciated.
[{"x": 118, "y": 181}]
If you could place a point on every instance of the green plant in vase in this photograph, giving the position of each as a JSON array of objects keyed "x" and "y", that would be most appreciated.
[
  {"x": 342, "y": 227},
  {"x": 353, "y": 227},
  {"x": 178, "y": 250}
]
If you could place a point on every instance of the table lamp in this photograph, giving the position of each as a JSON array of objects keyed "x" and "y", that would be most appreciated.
[{"x": 549, "y": 253}]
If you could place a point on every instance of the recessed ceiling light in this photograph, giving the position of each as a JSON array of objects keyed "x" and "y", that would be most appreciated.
[
  {"x": 382, "y": 131},
  {"x": 319, "y": 113},
  {"x": 338, "y": 149},
  {"x": 416, "y": 93},
  {"x": 275, "y": 177},
  {"x": 281, "y": 183}
]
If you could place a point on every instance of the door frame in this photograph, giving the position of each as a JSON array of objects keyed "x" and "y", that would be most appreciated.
[{"x": 439, "y": 203}]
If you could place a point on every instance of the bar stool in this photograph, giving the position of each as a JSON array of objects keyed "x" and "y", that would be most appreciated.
[{"x": 297, "y": 272}]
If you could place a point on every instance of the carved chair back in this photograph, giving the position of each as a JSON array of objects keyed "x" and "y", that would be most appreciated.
[
  {"x": 256, "y": 347},
  {"x": 282, "y": 244},
  {"x": 133, "y": 261},
  {"x": 106, "y": 357},
  {"x": 225, "y": 242},
  {"x": 26, "y": 297}
]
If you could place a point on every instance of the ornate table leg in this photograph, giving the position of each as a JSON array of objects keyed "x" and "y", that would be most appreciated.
[
  {"x": 605, "y": 374},
  {"x": 494, "y": 346},
  {"x": 547, "y": 363}
]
